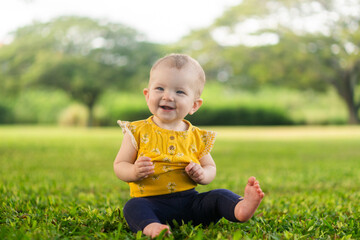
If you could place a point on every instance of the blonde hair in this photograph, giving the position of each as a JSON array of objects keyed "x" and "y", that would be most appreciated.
[{"x": 180, "y": 61}]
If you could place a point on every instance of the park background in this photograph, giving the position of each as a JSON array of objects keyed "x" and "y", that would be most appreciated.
[
  {"x": 273, "y": 63},
  {"x": 282, "y": 93}
]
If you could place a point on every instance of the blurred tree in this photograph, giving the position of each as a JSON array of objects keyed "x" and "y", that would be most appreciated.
[
  {"x": 297, "y": 43},
  {"x": 85, "y": 57}
]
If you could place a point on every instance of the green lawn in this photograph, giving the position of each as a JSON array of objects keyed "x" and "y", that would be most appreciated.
[{"x": 58, "y": 183}]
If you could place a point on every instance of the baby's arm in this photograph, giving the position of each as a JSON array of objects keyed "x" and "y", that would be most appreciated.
[
  {"x": 125, "y": 166},
  {"x": 203, "y": 173}
]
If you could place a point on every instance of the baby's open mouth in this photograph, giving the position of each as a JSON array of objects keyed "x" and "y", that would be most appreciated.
[{"x": 167, "y": 108}]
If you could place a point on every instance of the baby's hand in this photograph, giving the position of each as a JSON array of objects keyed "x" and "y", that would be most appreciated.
[
  {"x": 195, "y": 172},
  {"x": 143, "y": 167}
]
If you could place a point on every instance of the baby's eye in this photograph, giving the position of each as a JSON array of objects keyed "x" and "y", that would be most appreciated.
[
  {"x": 159, "y": 88},
  {"x": 180, "y": 92}
]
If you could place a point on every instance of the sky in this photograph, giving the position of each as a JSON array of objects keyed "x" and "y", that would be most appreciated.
[{"x": 162, "y": 21}]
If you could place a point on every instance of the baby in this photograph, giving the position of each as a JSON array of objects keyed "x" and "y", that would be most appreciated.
[{"x": 164, "y": 157}]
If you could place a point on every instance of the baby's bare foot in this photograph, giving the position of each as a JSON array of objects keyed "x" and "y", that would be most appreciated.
[
  {"x": 246, "y": 208},
  {"x": 154, "y": 229}
]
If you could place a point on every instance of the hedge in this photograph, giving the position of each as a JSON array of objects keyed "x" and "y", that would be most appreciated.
[{"x": 232, "y": 115}]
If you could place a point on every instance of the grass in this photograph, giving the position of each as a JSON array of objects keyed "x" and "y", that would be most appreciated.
[{"x": 58, "y": 183}]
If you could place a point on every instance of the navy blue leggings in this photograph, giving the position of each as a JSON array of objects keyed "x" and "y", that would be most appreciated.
[{"x": 200, "y": 208}]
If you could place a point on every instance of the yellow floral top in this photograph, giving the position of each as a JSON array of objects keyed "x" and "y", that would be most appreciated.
[{"x": 170, "y": 151}]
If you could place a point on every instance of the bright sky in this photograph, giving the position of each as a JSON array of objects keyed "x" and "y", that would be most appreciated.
[{"x": 162, "y": 21}]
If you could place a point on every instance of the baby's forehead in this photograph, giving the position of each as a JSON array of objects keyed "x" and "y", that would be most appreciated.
[
  {"x": 193, "y": 83},
  {"x": 175, "y": 60},
  {"x": 190, "y": 73},
  {"x": 186, "y": 68}
]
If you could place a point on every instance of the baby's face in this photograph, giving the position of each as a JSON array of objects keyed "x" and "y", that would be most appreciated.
[{"x": 173, "y": 93}]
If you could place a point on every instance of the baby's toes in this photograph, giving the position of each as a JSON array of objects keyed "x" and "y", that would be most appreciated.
[
  {"x": 261, "y": 193},
  {"x": 257, "y": 186}
]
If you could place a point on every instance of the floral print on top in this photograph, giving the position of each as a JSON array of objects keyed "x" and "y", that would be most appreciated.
[{"x": 170, "y": 151}]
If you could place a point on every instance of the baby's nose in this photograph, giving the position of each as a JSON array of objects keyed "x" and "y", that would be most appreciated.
[{"x": 168, "y": 96}]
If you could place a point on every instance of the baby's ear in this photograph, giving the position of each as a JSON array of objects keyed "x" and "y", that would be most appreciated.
[
  {"x": 146, "y": 93},
  {"x": 197, "y": 104}
]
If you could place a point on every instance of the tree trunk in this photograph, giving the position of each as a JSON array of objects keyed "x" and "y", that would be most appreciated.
[
  {"x": 91, "y": 116},
  {"x": 346, "y": 88},
  {"x": 353, "y": 116},
  {"x": 91, "y": 103}
]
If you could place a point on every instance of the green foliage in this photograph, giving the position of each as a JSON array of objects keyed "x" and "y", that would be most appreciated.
[
  {"x": 303, "y": 107},
  {"x": 125, "y": 106},
  {"x": 133, "y": 107},
  {"x": 300, "y": 57},
  {"x": 39, "y": 106},
  {"x": 278, "y": 106},
  {"x": 225, "y": 106},
  {"x": 59, "y": 183},
  {"x": 82, "y": 56},
  {"x": 74, "y": 115},
  {"x": 87, "y": 57},
  {"x": 6, "y": 113},
  {"x": 241, "y": 115}
]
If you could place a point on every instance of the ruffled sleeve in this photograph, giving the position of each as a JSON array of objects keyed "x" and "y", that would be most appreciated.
[
  {"x": 208, "y": 138},
  {"x": 129, "y": 128}
]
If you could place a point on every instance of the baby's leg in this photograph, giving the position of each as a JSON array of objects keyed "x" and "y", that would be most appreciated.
[
  {"x": 246, "y": 208},
  {"x": 140, "y": 216},
  {"x": 209, "y": 207}
]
